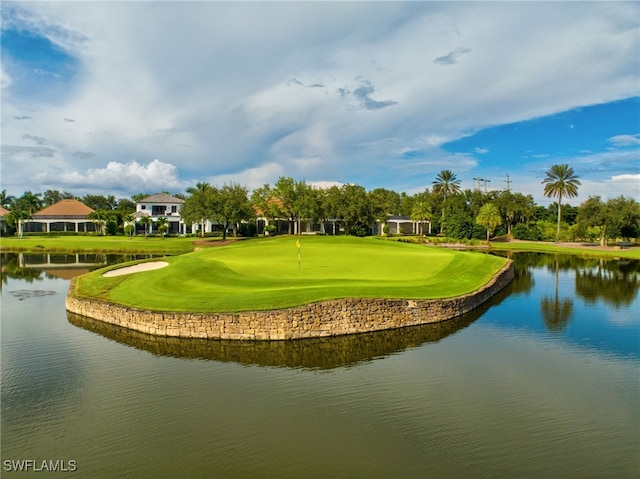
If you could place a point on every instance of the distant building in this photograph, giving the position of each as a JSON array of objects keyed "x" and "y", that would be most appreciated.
[
  {"x": 65, "y": 215},
  {"x": 160, "y": 205},
  {"x": 404, "y": 225},
  {"x": 3, "y": 224}
]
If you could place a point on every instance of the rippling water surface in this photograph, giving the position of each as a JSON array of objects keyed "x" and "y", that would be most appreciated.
[{"x": 543, "y": 382}]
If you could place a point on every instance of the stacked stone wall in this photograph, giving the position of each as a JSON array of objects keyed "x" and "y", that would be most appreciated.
[{"x": 321, "y": 319}]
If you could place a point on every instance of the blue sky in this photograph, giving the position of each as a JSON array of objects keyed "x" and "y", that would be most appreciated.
[{"x": 127, "y": 97}]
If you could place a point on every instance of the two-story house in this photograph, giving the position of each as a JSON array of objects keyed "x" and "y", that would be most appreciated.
[{"x": 160, "y": 205}]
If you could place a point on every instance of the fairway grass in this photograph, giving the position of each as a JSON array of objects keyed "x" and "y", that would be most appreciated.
[{"x": 264, "y": 274}]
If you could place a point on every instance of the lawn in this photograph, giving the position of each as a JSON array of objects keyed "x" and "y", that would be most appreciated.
[
  {"x": 264, "y": 274},
  {"x": 632, "y": 252},
  {"x": 97, "y": 244}
]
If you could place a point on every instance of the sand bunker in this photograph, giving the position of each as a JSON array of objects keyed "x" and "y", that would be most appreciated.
[{"x": 136, "y": 268}]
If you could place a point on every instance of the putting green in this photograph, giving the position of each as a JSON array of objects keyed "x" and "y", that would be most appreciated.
[{"x": 264, "y": 274}]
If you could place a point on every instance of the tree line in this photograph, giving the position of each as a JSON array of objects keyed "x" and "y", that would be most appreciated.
[{"x": 452, "y": 212}]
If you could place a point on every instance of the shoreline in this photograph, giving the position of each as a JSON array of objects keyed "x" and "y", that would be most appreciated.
[
  {"x": 314, "y": 320},
  {"x": 156, "y": 246}
]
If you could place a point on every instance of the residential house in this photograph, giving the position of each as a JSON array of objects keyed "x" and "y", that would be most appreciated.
[{"x": 161, "y": 205}]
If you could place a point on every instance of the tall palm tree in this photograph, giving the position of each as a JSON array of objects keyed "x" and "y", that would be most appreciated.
[
  {"x": 6, "y": 200},
  {"x": 445, "y": 184},
  {"x": 561, "y": 181}
]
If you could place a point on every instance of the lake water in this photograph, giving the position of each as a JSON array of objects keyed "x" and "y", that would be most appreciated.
[{"x": 542, "y": 382}]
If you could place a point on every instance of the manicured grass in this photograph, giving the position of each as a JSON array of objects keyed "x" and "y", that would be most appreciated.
[
  {"x": 97, "y": 244},
  {"x": 539, "y": 246},
  {"x": 263, "y": 274}
]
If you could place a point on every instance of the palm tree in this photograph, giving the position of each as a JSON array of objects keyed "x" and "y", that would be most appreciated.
[
  {"x": 128, "y": 224},
  {"x": 446, "y": 184},
  {"x": 16, "y": 219},
  {"x": 421, "y": 212},
  {"x": 6, "y": 200},
  {"x": 99, "y": 219},
  {"x": 489, "y": 217},
  {"x": 560, "y": 181},
  {"x": 30, "y": 201},
  {"x": 202, "y": 186},
  {"x": 162, "y": 225},
  {"x": 145, "y": 221}
]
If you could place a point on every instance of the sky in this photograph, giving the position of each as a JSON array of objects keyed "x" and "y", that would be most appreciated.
[{"x": 139, "y": 97}]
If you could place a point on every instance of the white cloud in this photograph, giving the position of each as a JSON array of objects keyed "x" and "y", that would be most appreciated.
[
  {"x": 251, "y": 177},
  {"x": 5, "y": 78},
  {"x": 258, "y": 90},
  {"x": 625, "y": 140},
  {"x": 627, "y": 177},
  {"x": 620, "y": 185},
  {"x": 323, "y": 185},
  {"x": 133, "y": 176}
]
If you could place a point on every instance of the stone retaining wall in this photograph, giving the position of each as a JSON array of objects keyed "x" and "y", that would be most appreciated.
[{"x": 325, "y": 318}]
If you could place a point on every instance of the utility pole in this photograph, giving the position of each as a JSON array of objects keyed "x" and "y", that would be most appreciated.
[
  {"x": 508, "y": 182},
  {"x": 484, "y": 181}
]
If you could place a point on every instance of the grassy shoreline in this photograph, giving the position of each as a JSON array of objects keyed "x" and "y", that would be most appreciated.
[
  {"x": 578, "y": 250},
  {"x": 177, "y": 246},
  {"x": 97, "y": 244}
]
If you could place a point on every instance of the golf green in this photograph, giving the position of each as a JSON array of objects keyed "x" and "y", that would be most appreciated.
[{"x": 264, "y": 274}]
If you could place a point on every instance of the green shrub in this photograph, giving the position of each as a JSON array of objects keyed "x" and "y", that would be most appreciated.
[{"x": 524, "y": 232}]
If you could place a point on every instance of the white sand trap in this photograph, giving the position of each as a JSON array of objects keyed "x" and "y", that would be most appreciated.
[{"x": 136, "y": 268}]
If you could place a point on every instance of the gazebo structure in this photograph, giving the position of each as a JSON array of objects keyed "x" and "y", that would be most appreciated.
[
  {"x": 405, "y": 225},
  {"x": 65, "y": 215}
]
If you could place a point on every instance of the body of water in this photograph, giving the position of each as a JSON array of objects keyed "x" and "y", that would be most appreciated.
[{"x": 542, "y": 382}]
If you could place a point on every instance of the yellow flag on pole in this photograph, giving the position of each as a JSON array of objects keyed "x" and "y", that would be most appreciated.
[{"x": 298, "y": 243}]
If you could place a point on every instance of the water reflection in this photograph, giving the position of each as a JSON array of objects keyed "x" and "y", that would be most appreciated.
[
  {"x": 616, "y": 282},
  {"x": 317, "y": 353},
  {"x": 556, "y": 310},
  {"x": 496, "y": 397},
  {"x": 31, "y": 266}
]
